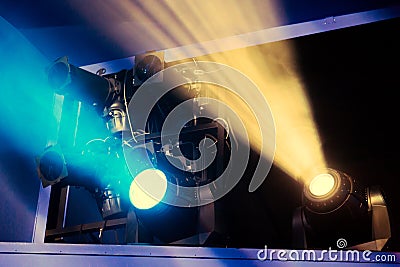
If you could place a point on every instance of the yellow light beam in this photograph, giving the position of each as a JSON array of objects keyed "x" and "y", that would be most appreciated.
[{"x": 271, "y": 66}]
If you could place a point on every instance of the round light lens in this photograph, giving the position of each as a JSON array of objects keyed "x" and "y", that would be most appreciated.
[
  {"x": 322, "y": 184},
  {"x": 148, "y": 188}
]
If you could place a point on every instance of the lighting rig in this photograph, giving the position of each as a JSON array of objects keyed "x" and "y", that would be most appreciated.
[
  {"x": 101, "y": 165},
  {"x": 337, "y": 208}
]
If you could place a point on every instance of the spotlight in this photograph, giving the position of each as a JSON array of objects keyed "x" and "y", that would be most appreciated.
[
  {"x": 336, "y": 206},
  {"x": 331, "y": 189},
  {"x": 56, "y": 167},
  {"x": 51, "y": 166},
  {"x": 148, "y": 188},
  {"x": 146, "y": 65},
  {"x": 67, "y": 79},
  {"x": 99, "y": 168},
  {"x": 322, "y": 185},
  {"x": 149, "y": 184}
]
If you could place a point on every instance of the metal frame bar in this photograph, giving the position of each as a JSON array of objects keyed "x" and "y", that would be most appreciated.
[
  {"x": 26, "y": 254},
  {"x": 39, "y": 228},
  {"x": 54, "y": 198},
  {"x": 86, "y": 228},
  {"x": 258, "y": 37}
]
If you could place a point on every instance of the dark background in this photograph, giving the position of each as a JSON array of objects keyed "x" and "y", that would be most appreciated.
[{"x": 352, "y": 78}]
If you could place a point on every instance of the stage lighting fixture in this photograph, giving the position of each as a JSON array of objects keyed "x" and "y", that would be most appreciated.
[
  {"x": 51, "y": 166},
  {"x": 322, "y": 185},
  {"x": 148, "y": 188},
  {"x": 330, "y": 190},
  {"x": 67, "y": 79},
  {"x": 146, "y": 65},
  {"x": 128, "y": 178},
  {"x": 149, "y": 184},
  {"x": 56, "y": 167},
  {"x": 102, "y": 170},
  {"x": 337, "y": 206},
  {"x": 116, "y": 118},
  {"x": 99, "y": 167}
]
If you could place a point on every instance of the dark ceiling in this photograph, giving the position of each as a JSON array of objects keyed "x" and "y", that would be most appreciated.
[{"x": 89, "y": 31}]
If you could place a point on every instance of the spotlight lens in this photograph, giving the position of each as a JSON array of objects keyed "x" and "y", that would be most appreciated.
[
  {"x": 148, "y": 188},
  {"x": 147, "y": 67},
  {"x": 322, "y": 184},
  {"x": 58, "y": 75},
  {"x": 51, "y": 166}
]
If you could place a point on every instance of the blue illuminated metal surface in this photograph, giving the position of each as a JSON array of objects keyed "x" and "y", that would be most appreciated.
[
  {"x": 42, "y": 207},
  {"x": 27, "y": 254}
]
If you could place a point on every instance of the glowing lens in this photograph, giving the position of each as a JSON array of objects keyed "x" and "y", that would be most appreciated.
[
  {"x": 148, "y": 189},
  {"x": 322, "y": 184}
]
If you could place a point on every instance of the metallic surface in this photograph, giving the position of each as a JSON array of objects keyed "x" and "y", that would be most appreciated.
[
  {"x": 24, "y": 254},
  {"x": 267, "y": 35}
]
